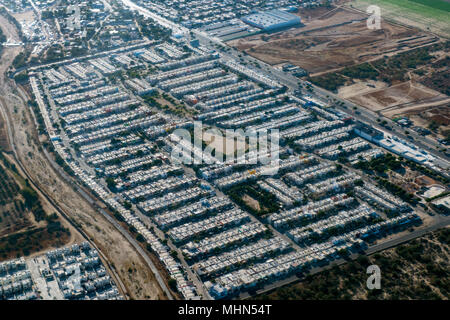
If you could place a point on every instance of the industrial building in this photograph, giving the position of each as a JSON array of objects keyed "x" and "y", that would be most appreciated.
[
  {"x": 272, "y": 20},
  {"x": 122, "y": 148}
]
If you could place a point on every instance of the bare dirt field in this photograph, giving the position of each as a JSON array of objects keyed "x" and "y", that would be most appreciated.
[
  {"x": 439, "y": 115},
  {"x": 392, "y": 100},
  {"x": 360, "y": 88},
  {"x": 417, "y": 87},
  {"x": 9, "y": 30},
  {"x": 251, "y": 202},
  {"x": 27, "y": 16},
  {"x": 332, "y": 38},
  {"x": 420, "y": 104}
]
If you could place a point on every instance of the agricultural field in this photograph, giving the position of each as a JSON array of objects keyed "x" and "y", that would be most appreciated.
[
  {"x": 26, "y": 225},
  {"x": 3, "y": 135},
  {"x": 13, "y": 216},
  {"x": 428, "y": 15}
]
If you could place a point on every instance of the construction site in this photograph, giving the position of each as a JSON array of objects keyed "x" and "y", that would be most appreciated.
[{"x": 332, "y": 38}]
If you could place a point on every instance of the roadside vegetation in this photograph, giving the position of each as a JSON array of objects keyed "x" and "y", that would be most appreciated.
[
  {"x": 381, "y": 166},
  {"x": 266, "y": 202},
  {"x": 25, "y": 227},
  {"x": 388, "y": 69},
  {"x": 2, "y": 39},
  {"x": 419, "y": 269}
]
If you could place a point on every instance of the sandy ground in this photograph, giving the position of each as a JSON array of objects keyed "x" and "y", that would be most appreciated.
[
  {"x": 135, "y": 274},
  {"x": 222, "y": 145},
  {"x": 434, "y": 191},
  {"x": 251, "y": 202},
  {"x": 413, "y": 99},
  {"x": 360, "y": 88},
  {"x": 9, "y": 31},
  {"x": 422, "y": 108},
  {"x": 394, "y": 99},
  {"x": 25, "y": 16},
  {"x": 3, "y": 134},
  {"x": 444, "y": 201}
]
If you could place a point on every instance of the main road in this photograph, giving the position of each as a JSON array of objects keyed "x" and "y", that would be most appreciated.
[
  {"x": 367, "y": 116},
  {"x": 439, "y": 222}
]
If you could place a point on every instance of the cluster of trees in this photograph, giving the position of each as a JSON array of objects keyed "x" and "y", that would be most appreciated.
[
  {"x": 426, "y": 171},
  {"x": 387, "y": 69},
  {"x": 47, "y": 14},
  {"x": 35, "y": 238},
  {"x": 54, "y": 53},
  {"x": 381, "y": 164},
  {"x": 176, "y": 108},
  {"x": 267, "y": 201},
  {"x": 150, "y": 99},
  {"x": 152, "y": 30},
  {"x": 40, "y": 120},
  {"x": 362, "y": 71},
  {"x": 21, "y": 77},
  {"x": 78, "y": 50},
  {"x": 21, "y": 59},
  {"x": 173, "y": 284},
  {"x": 24, "y": 243},
  {"x": 348, "y": 281},
  {"x": 439, "y": 81},
  {"x": 330, "y": 81},
  {"x": 8, "y": 188},
  {"x": 33, "y": 203},
  {"x": 395, "y": 68},
  {"x": 398, "y": 191},
  {"x": 111, "y": 183}
]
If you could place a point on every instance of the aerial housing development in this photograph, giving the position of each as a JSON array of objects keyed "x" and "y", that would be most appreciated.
[{"x": 112, "y": 120}]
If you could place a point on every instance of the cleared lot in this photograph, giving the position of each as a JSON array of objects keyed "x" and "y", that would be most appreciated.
[{"x": 331, "y": 39}]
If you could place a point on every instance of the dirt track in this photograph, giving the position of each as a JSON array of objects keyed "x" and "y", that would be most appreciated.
[
  {"x": 331, "y": 39},
  {"x": 395, "y": 97},
  {"x": 135, "y": 274}
]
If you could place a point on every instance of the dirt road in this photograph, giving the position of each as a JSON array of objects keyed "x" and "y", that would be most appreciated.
[{"x": 134, "y": 272}]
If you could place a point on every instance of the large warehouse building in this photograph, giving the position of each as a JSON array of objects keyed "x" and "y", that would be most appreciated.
[{"x": 272, "y": 20}]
